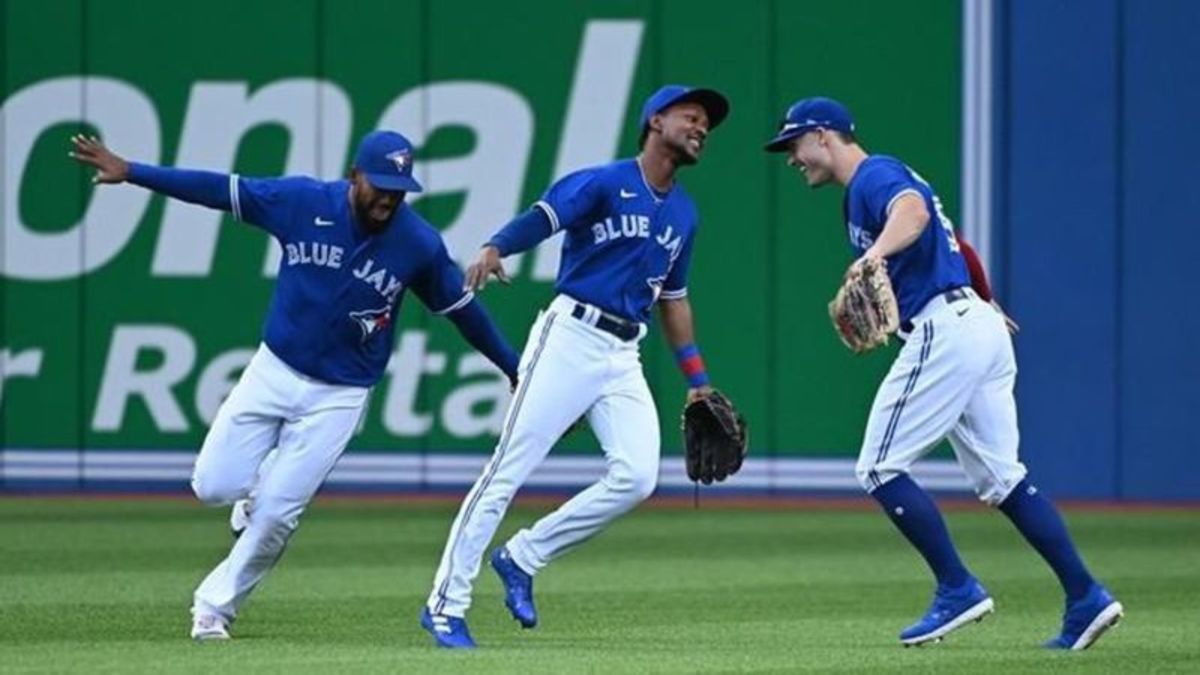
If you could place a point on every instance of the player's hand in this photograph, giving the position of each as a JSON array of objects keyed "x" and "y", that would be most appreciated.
[
  {"x": 487, "y": 265},
  {"x": 859, "y": 262},
  {"x": 110, "y": 168},
  {"x": 697, "y": 393},
  {"x": 872, "y": 252},
  {"x": 1013, "y": 326}
]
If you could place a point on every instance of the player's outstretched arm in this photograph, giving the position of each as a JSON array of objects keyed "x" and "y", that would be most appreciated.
[
  {"x": 198, "y": 187},
  {"x": 520, "y": 234}
]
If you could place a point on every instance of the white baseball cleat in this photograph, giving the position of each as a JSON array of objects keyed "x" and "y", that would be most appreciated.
[
  {"x": 209, "y": 627},
  {"x": 239, "y": 517}
]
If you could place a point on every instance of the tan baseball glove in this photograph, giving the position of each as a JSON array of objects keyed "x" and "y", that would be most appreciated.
[{"x": 864, "y": 311}]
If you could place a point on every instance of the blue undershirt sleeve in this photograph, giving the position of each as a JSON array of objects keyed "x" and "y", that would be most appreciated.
[
  {"x": 265, "y": 202},
  {"x": 480, "y": 331},
  {"x": 523, "y": 232},
  {"x": 206, "y": 188}
]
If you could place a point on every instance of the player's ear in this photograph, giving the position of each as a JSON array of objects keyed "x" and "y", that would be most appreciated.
[{"x": 656, "y": 122}]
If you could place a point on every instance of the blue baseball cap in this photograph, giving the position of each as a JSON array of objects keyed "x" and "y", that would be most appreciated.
[
  {"x": 807, "y": 114},
  {"x": 385, "y": 158},
  {"x": 714, "y": 104}
]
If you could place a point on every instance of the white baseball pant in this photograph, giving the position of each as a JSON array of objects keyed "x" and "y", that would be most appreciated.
[
  {"x": 309, "y": 422},
  {"x": 568, "y": 368},
  {"x": 954, "y": 379}
]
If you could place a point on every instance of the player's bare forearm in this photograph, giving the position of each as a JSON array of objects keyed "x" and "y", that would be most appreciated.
[
  {"x": 906, "y": 221},
  {"x": 677, "y": 324}
]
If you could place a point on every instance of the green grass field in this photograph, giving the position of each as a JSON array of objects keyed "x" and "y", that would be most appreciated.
[{"x": 104, "y": 586}]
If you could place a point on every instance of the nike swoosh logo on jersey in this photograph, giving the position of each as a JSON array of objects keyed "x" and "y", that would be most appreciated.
[
  {"x": 321, "y": 222},
  {"x": 625, "y": 194},
  {"x": 964, "y": 311}
]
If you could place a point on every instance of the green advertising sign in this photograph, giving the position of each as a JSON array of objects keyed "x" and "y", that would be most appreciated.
[{"x": 127, "y": 317}]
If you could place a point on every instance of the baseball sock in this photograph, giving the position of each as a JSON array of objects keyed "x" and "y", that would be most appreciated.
[
  {"x": 1042, "y": 526},
  {"x": 915, "y": 514}
]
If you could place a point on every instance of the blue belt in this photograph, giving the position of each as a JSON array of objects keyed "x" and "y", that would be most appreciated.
[{"x": 613, "y": 325}]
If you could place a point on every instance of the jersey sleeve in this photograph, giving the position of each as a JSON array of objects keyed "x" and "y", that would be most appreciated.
[
  {"x": 267, "y": 202},
  {"x": 675, "y": 286},
  {"x": 572, "y": 199},
  {"x": 439, "y": 284},
  {"x": 882, "y": 186}
]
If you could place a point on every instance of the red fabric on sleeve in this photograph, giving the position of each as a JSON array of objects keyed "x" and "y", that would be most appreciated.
[{"x": 979, "y": 280}]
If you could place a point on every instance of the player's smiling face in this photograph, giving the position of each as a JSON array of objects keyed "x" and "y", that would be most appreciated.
[
  {"x": 684, "y": 129},
  {"x": 809, "y": 154},
  {"x": 373, "y": 208}
]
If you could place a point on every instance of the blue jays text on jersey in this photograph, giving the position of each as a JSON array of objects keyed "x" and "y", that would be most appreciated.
[
  {"x": 929, "y": 266},
  {"x": 626, "y": 245},
  {"x": 339, "y": 289}
]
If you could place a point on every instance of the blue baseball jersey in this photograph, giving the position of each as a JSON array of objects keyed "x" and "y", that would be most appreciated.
[
  {"x": 339, "y": 290},
  {"x": 933, "y": 263},
  {"x": 626, "y": 245}
]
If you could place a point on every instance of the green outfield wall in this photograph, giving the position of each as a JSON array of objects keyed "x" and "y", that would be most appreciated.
[{"x": 126, "y": 318}]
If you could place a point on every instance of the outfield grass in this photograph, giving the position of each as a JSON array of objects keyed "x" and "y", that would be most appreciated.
[{"x": 104, "y": 586}]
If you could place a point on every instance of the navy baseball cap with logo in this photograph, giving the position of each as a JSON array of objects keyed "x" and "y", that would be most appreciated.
[
  {"x": 807, "y": 114},
  {"x": 714, "y": 104},
  {"x": 386, "y": 160}
]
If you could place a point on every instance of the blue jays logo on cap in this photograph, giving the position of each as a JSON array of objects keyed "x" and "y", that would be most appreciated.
[
  {"x": 713, "y": 102},
  {"x": 807, "y": 114},
  {"x": 400, "y": 158},
  {"x": 385, "y": 159}
]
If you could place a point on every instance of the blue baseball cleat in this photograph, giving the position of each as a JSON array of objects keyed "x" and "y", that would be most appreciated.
[
  {"x": 448, "y": 631},
  {"x": 1086, "y": 619},
  {"x": 952, "y": 609},
  {"x": 518, "y": 588}
]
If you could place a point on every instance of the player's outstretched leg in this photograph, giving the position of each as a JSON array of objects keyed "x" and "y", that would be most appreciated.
[
  {"x": 986, "y": 441},
  {"x": 559, "y": 379},
  {"x": 518, "y": 588},
  {"x": 308, "y": 449},
  {"x": 1090, "y": 608},
  {"x": 917, "y": 405},
  {"x": 959, "y": 598},
  {"x": 626, "y": 424}
]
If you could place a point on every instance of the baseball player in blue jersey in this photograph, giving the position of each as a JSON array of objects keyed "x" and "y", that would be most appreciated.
[
  {"x": 953, "y": 379},
  {"x": 351, "y": 250},
  {"x": 629, "y": 229}
]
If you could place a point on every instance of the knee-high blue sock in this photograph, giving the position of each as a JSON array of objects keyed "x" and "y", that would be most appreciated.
[
  {"x": 1039, "y": 522},
  {"x": 915, "y": 514}
]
